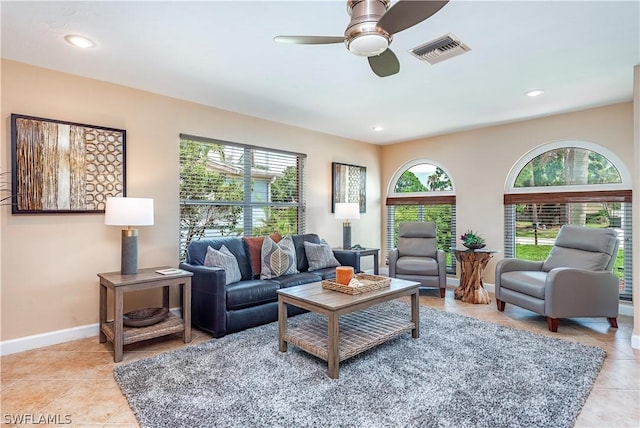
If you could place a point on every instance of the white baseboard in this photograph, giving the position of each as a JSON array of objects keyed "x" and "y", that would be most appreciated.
[
  {"x": 46, "y": 339},
  {"x": 54, "y": 337}
]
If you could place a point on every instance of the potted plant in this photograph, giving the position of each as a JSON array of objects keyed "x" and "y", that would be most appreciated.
[{"x": 472, "y": 240}]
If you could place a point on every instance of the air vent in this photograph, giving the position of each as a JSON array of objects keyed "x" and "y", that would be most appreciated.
[{"x": 437, "y": 50}]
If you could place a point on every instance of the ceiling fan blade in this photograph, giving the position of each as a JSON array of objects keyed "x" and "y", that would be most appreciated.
[
  {"x": 385, "y": 64},
  {"x": 407, "y": 13},
  {"x": 309, "y": 40}
]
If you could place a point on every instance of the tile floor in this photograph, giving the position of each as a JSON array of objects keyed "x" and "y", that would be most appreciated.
[{"x": 74, "y": 380}]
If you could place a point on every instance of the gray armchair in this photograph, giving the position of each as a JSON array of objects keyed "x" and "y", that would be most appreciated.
[
  {"x": 417, "y": 257},
  {"x": 574, "y": 281}
]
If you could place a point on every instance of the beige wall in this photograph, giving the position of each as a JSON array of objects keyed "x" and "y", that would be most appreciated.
[
  {"x": 49, "y": 262},
  {"x": 479, "y": 161}
]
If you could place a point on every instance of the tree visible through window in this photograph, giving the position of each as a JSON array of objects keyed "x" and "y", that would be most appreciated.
[
  {"x": 567, "y": 166},
  {"x": 229, "y": 189}
]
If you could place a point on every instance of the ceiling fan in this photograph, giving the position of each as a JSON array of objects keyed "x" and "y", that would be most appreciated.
[{"x": 371, "y": 29}]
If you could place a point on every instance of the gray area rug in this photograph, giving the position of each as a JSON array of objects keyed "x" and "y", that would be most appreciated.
[{"x": 461, "y": 372}]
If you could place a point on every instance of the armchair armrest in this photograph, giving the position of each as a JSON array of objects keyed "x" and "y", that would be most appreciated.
[
  {"x": 441, "y": 258},
  {"x": 575, "y": 292},
  {"x": 393, "y": 259},
  {"x": 511, "y": 265},
  {"x": 208, "y": 298}
]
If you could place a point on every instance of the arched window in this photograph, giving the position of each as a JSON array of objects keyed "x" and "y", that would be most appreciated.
[
  {"x": 568, "y": 182},
  {"x": 421, "y": 190}
]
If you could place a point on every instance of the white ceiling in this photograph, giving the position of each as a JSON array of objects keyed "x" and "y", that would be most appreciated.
[{"x": 222, "y": 54}]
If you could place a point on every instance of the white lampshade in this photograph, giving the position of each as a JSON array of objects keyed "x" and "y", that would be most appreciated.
[
  {"x": 129, "y": 212},
  {"x": 347, "y": 210}
]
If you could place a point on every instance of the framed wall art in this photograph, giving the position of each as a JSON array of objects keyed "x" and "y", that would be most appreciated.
[
  {"x": 349, "y": 185},
  {"x": 64, "y": 167}
]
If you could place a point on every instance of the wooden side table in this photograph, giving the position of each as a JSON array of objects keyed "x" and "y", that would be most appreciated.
[
  {"x": 363, "y": 252},
  {"x": 117, "y": 333},
  {"x": 472, "y": 265}
]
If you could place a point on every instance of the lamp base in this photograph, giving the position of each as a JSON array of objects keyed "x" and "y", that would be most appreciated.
[
  {"x": 346, "y": 235},
  {"x": 129, "y": 257}
]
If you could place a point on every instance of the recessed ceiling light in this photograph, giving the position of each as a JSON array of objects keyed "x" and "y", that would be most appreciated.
[
  {"x": 534, "y": 92},
  {"x": 79, "y": 41},
  {"x": 377, "y": 128}
]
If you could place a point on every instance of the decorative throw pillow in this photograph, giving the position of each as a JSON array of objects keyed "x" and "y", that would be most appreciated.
[
  {"x": 254, "y": 248},
  {"x": 320, "y": 256},
  {"x": 278, "y": 258},
  {"x": 223, "y": 259}
]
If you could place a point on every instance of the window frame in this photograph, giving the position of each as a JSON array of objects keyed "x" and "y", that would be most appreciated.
[
  {"x": 421, "y": 200},
  {"x": 248, "y": 203},
  {"x": 567, "y": 194}
]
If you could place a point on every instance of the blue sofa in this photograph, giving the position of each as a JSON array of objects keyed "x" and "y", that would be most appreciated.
[{"x": 221, "y": 309}]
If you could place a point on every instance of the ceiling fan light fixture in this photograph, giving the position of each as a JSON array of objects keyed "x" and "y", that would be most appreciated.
[{"x": 368, "y": 44}]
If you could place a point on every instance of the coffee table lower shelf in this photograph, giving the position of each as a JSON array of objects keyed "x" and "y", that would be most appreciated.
[{"x": 359, "y": 332}]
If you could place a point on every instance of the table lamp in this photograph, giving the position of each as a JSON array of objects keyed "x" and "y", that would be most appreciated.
[
  {"x": 129, "y": 212},
  {"x": 347, "y": 211}
]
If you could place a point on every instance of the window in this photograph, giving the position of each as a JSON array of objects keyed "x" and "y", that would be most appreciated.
[
  {"x": 568, "y": 184},
  {"x": 423, "y": 191},
  {"x": 230, "y": 189}
]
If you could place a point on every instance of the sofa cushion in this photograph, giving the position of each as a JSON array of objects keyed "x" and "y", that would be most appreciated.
[
  {"x": 245, "y": 294},
  {"x": 254, "y": 250},
  {"x": 301, "y": 255},
  {"x": 530, "y": 283},
  {"x": 409, "y": 265},
  {"x": 326, "y": 273},
  {"x": 297, "y": 279},
  {"x": 223, "y": 259},
  {"x": 574, "y": 258},
  {"x": 319, "y": 256},
  {"x": 197, "y": 251},
  {"x": 417, "y": 239},
  {"x": 278, "y": 258}
]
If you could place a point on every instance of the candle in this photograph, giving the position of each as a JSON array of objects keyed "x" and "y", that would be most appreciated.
[{"x": 344, "y": 274}]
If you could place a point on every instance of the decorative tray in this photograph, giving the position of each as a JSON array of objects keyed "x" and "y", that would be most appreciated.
[
  {"x": 367, "y": 283},
  {"x": 144, "y": 317}
]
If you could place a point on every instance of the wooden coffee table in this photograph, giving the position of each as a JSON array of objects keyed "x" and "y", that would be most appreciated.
[{"x": 340, "y": 339}]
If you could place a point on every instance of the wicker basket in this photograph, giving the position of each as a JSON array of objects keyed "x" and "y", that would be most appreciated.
[{"x": 368, "y": 283}]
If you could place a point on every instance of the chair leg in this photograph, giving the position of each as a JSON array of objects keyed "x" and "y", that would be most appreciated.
[
  {"x": 553, "y": 324},
  {"x": 500, "y": 305},
  {"x": 613, "y": 322},
  {"x": 443, "y": 292}
]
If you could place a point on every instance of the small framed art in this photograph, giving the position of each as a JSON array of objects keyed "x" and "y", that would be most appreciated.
[{"x": 349, "y": 185}]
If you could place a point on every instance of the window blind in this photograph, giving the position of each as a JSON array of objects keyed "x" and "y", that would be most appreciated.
[
  {"x": 444, "y": 215},
  {"x": 233, "y": 189},
  {"x": 533, "y": 221}
]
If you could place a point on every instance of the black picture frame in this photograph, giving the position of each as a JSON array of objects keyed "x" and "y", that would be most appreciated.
[
  {"x": 64, "y": 167},
  {"x": 349, "y": 184}
]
